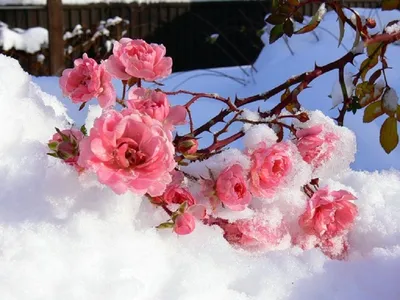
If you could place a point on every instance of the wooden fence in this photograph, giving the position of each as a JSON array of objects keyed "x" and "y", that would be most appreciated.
[{"x": 182, "y": 27}]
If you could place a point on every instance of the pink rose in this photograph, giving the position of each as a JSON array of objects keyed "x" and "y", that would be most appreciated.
[
  {"x": 66, "y": 146},
  {"x": 88, "y": 80},
  {"x": 231, "y": 188},
  {"x": 315, "y": 145},
  {"x": 328, "y": 214},
  {"x": 136, "y": 58},
  {"x": 156, "y": 105},
  {"x": 149, "y": 102},
  {"x": 177, "y": 194},
  {"x": 269, "y": 167},
  {"x": 184, "y": 224},
  {"x": 253, "y": 234},
  {"x": 129, "y": 151}
]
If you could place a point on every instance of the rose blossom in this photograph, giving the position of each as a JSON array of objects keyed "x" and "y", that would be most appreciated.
[
  {"x": 253, "y": 234},
  {"x": 129, "y": 151},
  {"x": 136, "y": 58},
  {"x": 269, "y": 167},
  {"x": 315, "y": 145},
  {"x": 67, "y": 148},
  {"x": 231, "y": 188},
  {"x": 184, "y": 224},
  {"x": 88, "y": 80},
  {"x": 177, "y": 194},
  {"x": 149, "y": 102},
  {"x": 156, "y": 105},
  {"x": 328, "y": 214}
]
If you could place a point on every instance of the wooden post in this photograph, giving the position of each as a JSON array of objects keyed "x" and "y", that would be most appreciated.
[{"x": 56, "y": 32}]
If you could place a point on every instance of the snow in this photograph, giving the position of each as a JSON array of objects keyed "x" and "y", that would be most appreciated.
[
  {"x": 31, "y": 40},
  {"x": 321, "y": 12},
  {"x": 394, "y": 28},
  {"x": 69, "y": 237},
  {"x": 337, "y": 93},
  {"x": 390, "y": 100}
]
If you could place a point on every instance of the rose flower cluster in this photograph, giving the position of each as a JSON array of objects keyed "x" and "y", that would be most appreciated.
[{"x": 133, "y": 147}]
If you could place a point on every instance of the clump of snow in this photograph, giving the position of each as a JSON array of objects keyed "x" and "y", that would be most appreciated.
[
  {"x": 94, "y": 112},
  {"x": 259, "y": 133},
  {"x": 353, "y": 18},
  {"x": 78, "y": 30},
  {"x": 219, "y": 162},
  {"x": 321, "y": 12},
  {"x": 390, "y": 100},
  {"x": 394, "y": 28},
  {"x": 40, "y": 58},
  {"x": 344, "y": 146},
  {"x": 358, "y": 48},
  {"x": 31, "y": 40},
  {"x": 337, "y": 93}
]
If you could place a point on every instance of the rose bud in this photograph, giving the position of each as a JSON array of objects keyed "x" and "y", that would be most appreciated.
[
  {"x": 184, "y": 224},
  {"x": 65, "y": 146},
  {"x": 188, "y": 145}
]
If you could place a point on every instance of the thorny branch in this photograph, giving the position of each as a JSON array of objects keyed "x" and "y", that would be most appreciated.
[{"x": 301, "y": 81}]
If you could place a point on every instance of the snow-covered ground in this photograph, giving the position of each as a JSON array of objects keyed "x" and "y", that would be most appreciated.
[{"x": 64, "y": 237}]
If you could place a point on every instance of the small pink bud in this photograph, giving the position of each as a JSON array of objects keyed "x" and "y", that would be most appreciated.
[
  {"x": 188, "y": 145},
  {"x": 184, "y": 224},
  {"x": 65, "y": 146}
]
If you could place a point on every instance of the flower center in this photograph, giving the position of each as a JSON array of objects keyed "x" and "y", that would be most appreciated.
[
  {"x": 134, "y": 157},
  {"x": 277, "y": 166},
  {"x": 239, "y": 189}
]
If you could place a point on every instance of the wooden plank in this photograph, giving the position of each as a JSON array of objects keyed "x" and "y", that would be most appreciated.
[{"x": 56, "y": 42}]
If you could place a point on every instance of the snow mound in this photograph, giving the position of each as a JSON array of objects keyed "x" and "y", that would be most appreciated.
[{"x": 31, "y": 40}]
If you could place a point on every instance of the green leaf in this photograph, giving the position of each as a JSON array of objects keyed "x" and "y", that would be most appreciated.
[
  {"x": 288, "y": 28},
  {"x": 64, "y": 137},
  {"x": 374, "y": 49},
  {"x": 367, "y": 65},
  {"x": 389, "y": 137},
  {"x": 355, "y": 105},
  {"x": 372, "y": 111},
  {"x": 398, "y": 113},
  {"x": 52, "y": 154},
  {"x": 165, "y": 225},
  {"x": 182, "y": 207},
  {"x": 83, "y": 129},
  {"x": 276, "y": 19},
  {"x": 276, "y": 33},
  {"x": 363, "y": 89},
  {"x": 53, "y": 146},
  {"x": 298, "y": 17},
  {"x": 316, "y": 19},
  {"x": 390, "y": 4}
]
